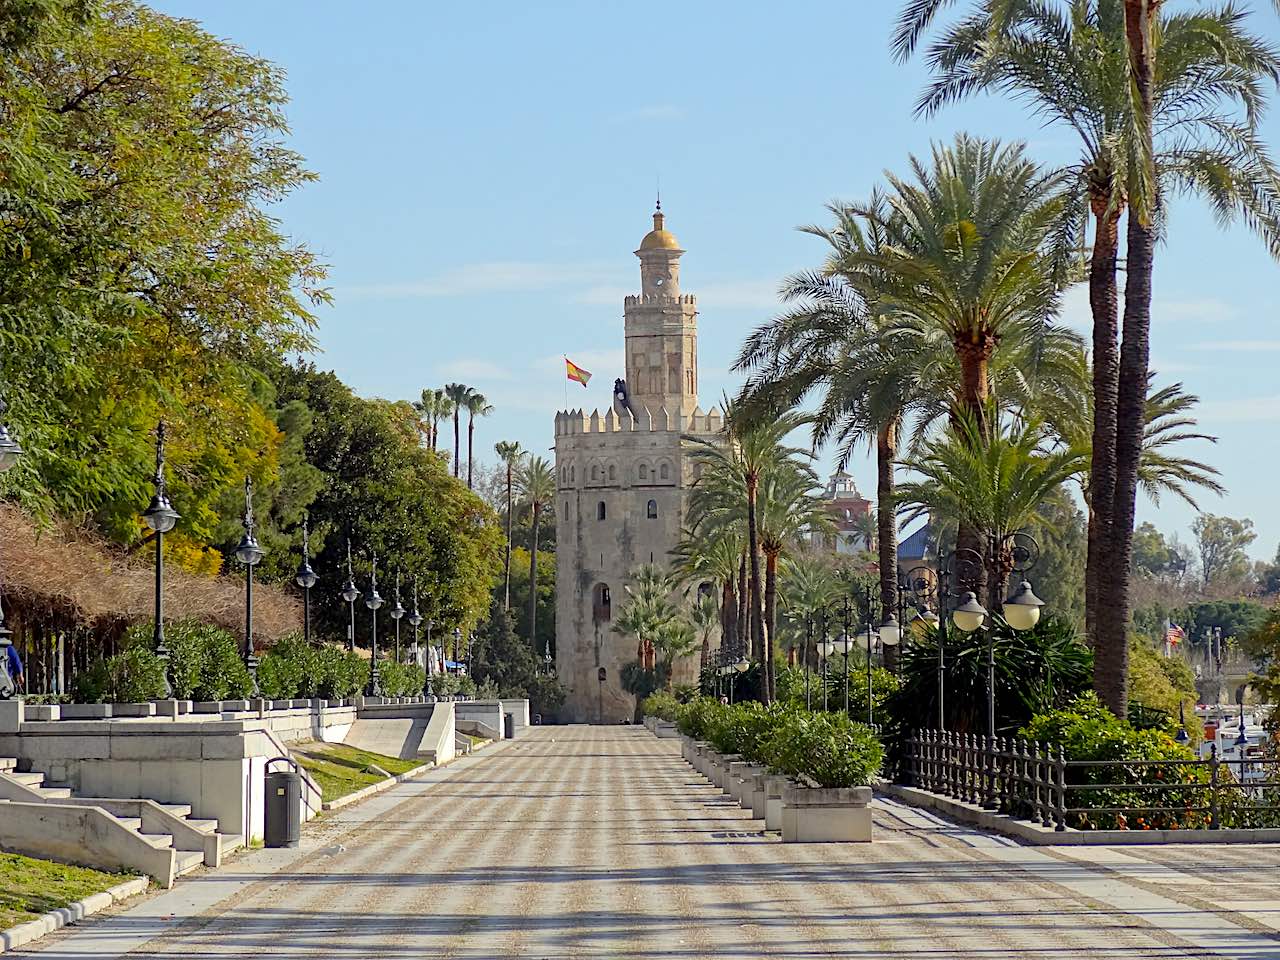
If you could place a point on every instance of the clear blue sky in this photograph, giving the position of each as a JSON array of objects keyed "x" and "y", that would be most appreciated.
[{"x": 486, "y": 173}]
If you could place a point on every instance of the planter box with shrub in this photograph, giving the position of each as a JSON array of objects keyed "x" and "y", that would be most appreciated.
[{"x": 826, "y": 814}]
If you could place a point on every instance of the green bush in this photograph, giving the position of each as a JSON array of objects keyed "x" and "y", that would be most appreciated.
[
  {"x": 204, "y": 661},
  {"x": 823, "y": 750},
  {"x": 1086, "y": 730},
  {"x": 695, "y": 717},
  {"x": 339, "y": 673},
  {"x": 466, "y": 686},
  {"x": 133, "y": 676},
  {"x": 287, "y": 671},
  {"x": 662, "y": 705},
  {"x": 400, "y": 679},
  {"x": 444, "y": 684}
]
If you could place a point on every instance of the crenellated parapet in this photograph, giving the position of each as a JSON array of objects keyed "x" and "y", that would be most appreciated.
[
  {"x": 658, "y": 299},
  {"x": 577, "y": 422}
]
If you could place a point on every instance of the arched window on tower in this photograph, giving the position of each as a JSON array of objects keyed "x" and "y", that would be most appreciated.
[
  {"x": 601, "y": 603},
  {"x": 600, "y": 510},
  {"x": 651, "y": 510},
  {"x": 664, "y": 472},
  {"x": 644, "y": 471},
  {"x": 573, "y": 473},
  {"x": 705, "y": 589},
  {"x": 613, "y": 473},
  {"x": 595, "y": 471}
]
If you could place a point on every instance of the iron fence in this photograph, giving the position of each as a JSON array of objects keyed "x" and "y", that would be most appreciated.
[{"x": 1034, "y": 781}]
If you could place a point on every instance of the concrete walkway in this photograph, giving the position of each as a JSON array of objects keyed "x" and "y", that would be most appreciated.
[{"x": 602, "y": 842}]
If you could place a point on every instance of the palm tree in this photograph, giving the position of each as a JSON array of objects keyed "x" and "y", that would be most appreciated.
[
  {"x": 809, "y": 584},
  {"x": 510, "y": 453},
  {"x": 647, "y": 611},
  {"x": 867, "y": 527},
  {"x": 432, "y": 407},
  {"x": 705, "y": 617},
  {"x": 457, "y": 394},
  {"x": 537, "y": 482},
  {"x": 732, "y": 470},
  {"x": 992, "y": 480},
  {"x": 477, "y": 406},
  {"x": 712, "y": 553},
  {"x": 1155, "y": 98},
  {"x": 788, "y": 510}
]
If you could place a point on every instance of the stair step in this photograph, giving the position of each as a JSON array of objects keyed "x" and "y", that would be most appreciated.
[
  {"x": 185, "y": 862},
  {"x": 178, "y": 809},
  {"x": 8, "y": 763},
  {"x": 158, "y": 840},
  {"x": 133, "y": 823},
  {"x": 54, "y": 793},
  {"x": 28, "y": 779},
  {"x": 204, "y": 826},
  {"x": 230, "y": 841}
]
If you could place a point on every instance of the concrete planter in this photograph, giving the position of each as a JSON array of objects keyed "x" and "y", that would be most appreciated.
[
  {"x": 85, "y": 711},
  {"x": 733, "y": 782},
  {"x": 773, "y": 787},
  {"x": 826, "y": 814},
  {"x": 746, "y": 786},
  {"x": 722, "y": 770},
  {"x": 758, "y": 793},
  {"x": 132, "y": 710},
  {"x": 698, "y": 756},
  {"x": 665, "y": 729}
]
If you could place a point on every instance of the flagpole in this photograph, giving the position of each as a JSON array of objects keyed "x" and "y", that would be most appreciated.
[{"x": 566, "y": 385}]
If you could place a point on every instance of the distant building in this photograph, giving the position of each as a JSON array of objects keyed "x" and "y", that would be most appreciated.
[{"x": 849, "y": 510}]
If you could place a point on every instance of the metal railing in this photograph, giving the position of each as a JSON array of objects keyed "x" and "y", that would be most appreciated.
[{"x": 1034, "y": 781}]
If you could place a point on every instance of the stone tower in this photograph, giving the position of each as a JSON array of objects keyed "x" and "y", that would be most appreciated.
[{"x": 622, "y": 479}]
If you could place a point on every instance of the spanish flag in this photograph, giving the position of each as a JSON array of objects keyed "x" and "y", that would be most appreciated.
[{"x": 575, "y": 372}]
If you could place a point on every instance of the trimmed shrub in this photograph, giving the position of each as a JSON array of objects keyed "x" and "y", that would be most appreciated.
[
  {"x": 823, "y": 750},
  {"x": 400, "y": 679},
  {"x": 444, "y": 684},
  {"x": 662, "y": 705},
  {"x": 134, "y": 676}
]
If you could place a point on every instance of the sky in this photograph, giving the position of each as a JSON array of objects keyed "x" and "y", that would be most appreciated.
[{"x": 487, "y": 170}]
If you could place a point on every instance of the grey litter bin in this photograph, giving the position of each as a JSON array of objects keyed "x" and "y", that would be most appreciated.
[
  {"x": 283, "y": 827},
  {"x": 508, "y": 725}
]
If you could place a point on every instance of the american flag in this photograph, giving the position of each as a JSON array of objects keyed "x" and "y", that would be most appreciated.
[{"x": 1174, "y": 633}]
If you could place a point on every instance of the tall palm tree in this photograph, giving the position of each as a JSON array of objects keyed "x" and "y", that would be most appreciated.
[
  {"x": 510, "y": 453},
  {"x": 457, "y": 394},
  {"x": 537, "y": 483},
  {"x": 477, "y": 406},
  {"x": 1156, "y": 99},
  {"x": 732, "y": 470},
  {"x": 432, "y": 407},
  {"x": 809, "y": 584},
  {"x": 993, "y": 480},
  {"x": 712, "y": 553}
]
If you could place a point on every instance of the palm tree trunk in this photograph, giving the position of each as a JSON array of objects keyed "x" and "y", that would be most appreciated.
[
  {"x": 533, "y": 581},
  {"x": 743, "y": 634},
  {"x": 764, "y": 640},
  {"x": 728, "y": 616},
  {"x": 471, "y": 435},
  {"x": 975, "y": 355},
  {"x": 1111, "y": 657},
  {"x": 457, "y": 442},
  {"x": 1104, "y": 304},
  {"x": 886, "y": 529},
  {"x": 506, "y": 566},
  {"x": 770, "y": 614}
]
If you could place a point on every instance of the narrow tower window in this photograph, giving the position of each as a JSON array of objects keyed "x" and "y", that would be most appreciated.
[
  {"x": 600, "y": 510},
  {"x": 651, "y": 511}
]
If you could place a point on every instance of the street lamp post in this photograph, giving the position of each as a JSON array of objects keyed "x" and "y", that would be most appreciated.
[
  {"x": 350, "y": 593},
  {"x": 808, "y": 644},
  {"x": 161, "y": 518},
  {"x": 250, "y": 554},
  {"x": 415, "y": 621},
  {"x": 373, "y": 601},
  {"x": 306, "y": 578},
  {"x": 397, "y": 612}
]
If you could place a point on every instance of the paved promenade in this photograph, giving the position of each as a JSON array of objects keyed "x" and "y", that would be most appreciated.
[{"x": 602, "y": 842}]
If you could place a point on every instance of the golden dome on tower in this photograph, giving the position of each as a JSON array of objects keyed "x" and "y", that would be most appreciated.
[{"x": 659, "y": 238}]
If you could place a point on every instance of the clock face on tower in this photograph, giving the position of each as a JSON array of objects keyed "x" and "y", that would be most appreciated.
[{"x": 659, "y": 281}]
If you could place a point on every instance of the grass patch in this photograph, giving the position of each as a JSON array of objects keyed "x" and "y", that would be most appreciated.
[
  {"x": 340, "y": 770},
  {"x": 30, "y": 888}
]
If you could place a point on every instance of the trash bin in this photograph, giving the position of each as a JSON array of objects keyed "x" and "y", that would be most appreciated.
[
  {"x": 283, "y": 826},
  {"x": 508, "y": 725}
]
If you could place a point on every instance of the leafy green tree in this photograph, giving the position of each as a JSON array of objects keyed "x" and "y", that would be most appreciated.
[
  {"x": 141, "y": 272},
  {"x": 544, "y": 637},
  {"x": 1221, "y": 543},
  {"x": 1058, "y": 576},
  {"x": 502, "y": 658}
]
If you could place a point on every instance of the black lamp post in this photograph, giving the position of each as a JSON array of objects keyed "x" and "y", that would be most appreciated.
[
  {"x": 397, "y": 612},
  {"x": 808, "y": 644},
  {"x": 350, "y": 593},
  {"x": 250, "y": 554},
  {"x": 161, "y": 518},
  {"x": 306, "y": 578},
  {"x": 10, "y": 452},
  {"x": 373, "y": 601},
  {"x": 415, "y": 621}
]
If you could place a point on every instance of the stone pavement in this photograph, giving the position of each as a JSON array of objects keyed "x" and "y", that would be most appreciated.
[{"x": 602, "y": 842}]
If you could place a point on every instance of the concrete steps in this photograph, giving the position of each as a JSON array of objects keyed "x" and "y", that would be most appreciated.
[{"x": 194, "y": 841}]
